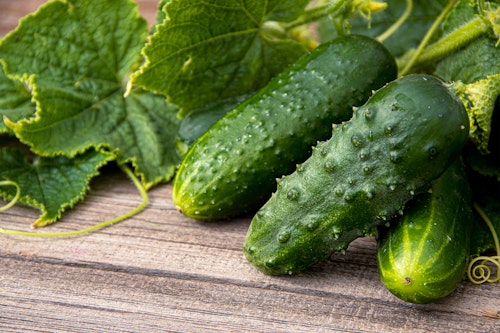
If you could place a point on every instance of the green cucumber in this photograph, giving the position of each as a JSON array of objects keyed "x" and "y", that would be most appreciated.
[
  {"x": 232, "y": 168},
  {"x": 423, "y": 256},
  {"x": 404, "y": 137}
]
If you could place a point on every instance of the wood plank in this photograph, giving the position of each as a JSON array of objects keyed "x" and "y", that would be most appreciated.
[{"x": 160, "y": 271}]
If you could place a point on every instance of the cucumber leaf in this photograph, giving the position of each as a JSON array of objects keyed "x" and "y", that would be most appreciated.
[
  {"x": 140, "y": 129},
  {"x": 487, "y": 165},
  {"x": 15, "y": 101},
  {"x": 79, "y": 71},
  {"x": 210, "y": 50},
  {"x": 475, "y": 62},
  {"x": 161, "y": 15},
  {"x": 480, "y": 98},
  {"x": 51, "y": 184}
]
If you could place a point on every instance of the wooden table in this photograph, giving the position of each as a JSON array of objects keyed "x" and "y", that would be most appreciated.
[{"x": 160, "y": 271}]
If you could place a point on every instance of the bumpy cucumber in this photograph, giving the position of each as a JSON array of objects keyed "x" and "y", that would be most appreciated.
[
  {"x": 404, "y": 137},
  {"x": 232, "y": 168},
  {"x": 423, "y": 256}
]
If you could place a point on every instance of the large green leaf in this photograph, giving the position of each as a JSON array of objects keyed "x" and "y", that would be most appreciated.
[
  {"x": 51, "y": 184},
  {"x": 209, "y": 50},
  {"x": 78, "y": 55},
  {"x": 139, "y": 129},
  {"x": 472, "y": 63},
  {"x": 15, "y": 101}
]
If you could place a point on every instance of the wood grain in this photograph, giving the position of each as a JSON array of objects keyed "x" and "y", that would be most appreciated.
[{"x": 162, "y": 272}]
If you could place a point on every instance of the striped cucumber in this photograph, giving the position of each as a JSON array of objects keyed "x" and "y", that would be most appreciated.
[
  {"x": 404, "y": 137},
  {"x": 232, "y": 168},
  {"x": 423, "y": 256}
]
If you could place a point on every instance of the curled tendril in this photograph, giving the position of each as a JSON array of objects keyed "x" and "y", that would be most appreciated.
[
  {"x": 479, "y": 271},
  {"x": 129, "y": 214},
  {"x": 16, "y": 197}
]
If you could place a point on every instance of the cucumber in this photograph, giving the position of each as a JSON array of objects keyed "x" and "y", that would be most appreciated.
[
  {"x": 232, "y": 168},
  {"x": 404, "y": 137},
  {"x": 423, "y": 256}
]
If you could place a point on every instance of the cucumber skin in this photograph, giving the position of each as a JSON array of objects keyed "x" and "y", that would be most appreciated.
[
  {"x": 232, "y": 168},
  {"x": 423, "y": 257},
  {"x": 404, "y": 137}
]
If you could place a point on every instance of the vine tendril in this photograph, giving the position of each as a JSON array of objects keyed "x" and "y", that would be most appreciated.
[
  {"x": 123, "y": 217},
  {"x": 16, "y": 197},
  {"x": 427, "y": 37},
  {"x": 394, "y": 27},
  {"x": 478, "y": 271}
]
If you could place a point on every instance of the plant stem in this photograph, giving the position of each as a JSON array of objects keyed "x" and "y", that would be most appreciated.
[
  {"x": 333, "y": 8},
  {"x": 123, "y": 217},
  {"x": 454, "y": 41},
  {"x": 416, "y": 56}
]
